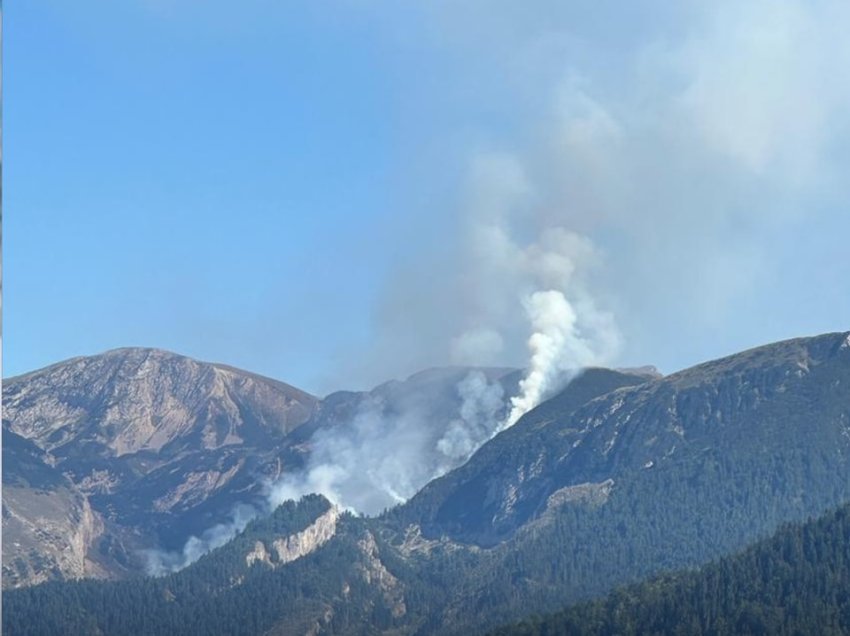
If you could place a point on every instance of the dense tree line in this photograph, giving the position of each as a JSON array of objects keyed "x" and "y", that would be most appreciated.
[
  {"x": 796, "y": 583},
  {"x": 220, "y": 594}
]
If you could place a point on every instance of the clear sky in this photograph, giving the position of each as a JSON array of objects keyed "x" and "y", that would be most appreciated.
[{"x": 302, "y": 188}]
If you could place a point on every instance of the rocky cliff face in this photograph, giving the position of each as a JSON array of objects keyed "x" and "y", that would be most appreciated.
[
  {"x": 127, "y": 445},
  {"x": 49, "y": 526},
  {"x": 286, "y": 549}
]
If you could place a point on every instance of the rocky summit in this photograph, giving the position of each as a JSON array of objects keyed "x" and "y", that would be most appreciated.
[{"x": 102, "y": 453}]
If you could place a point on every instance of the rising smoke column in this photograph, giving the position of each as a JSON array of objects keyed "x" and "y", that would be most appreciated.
[
  {"x": 559, "y": 347},
  {"x": 555, "y": 348},
  {"x": 384, "y": 455},
  {"x": 516, "y": 262}
]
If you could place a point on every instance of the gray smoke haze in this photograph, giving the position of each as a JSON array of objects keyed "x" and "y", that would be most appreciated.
[
  {"x": 682, "y": 146},
  {"x": 629, "y": 213},
  {"x": 380, "y": 458},
  {"x": 160, "y": 562},
  {"x": 383, "y": 457}
]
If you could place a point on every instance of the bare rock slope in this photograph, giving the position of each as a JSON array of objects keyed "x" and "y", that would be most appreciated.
[{"x": 103, "y": 454}]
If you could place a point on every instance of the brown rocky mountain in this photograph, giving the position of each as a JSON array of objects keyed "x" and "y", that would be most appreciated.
[
  {"x": 48, "y": 524},
  {"x": 102, "y": 453}
]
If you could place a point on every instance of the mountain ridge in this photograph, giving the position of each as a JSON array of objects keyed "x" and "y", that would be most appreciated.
[
  {"x": 161, "y": 446},
  {"x": 613, "y": 480}
]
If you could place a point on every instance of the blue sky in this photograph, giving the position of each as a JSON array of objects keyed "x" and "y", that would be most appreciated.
[{"x": 300, "y": 188}]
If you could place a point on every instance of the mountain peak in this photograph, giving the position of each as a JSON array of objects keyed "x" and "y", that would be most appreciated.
[{"x": 135, "y": 398}]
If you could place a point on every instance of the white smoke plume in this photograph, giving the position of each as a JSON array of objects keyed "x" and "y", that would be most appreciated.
[
  {"x": 384, "y": 456},
  {"x": 556, "y": 348},
  {"x": 547, "y": 276},
  {"x": 160, "y": 562}
]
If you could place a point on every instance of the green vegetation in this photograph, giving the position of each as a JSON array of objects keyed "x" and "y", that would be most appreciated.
[
  {"x": 219, "y": 594},
  {"x": 796, "y": 583}
]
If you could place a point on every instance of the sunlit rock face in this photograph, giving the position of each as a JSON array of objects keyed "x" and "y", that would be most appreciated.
[
  {"x": 49, "y": 526},
  {"x": 131, "y": 400},
  {"x": 112, "y": 454},
  {"x": 284, "y": 550}
]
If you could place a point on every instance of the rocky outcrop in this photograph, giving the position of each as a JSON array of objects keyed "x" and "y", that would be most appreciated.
[
  {"x": 284, "y": 550},
  {"x": 592, "y": 494},
  {"x": 303, "y": 543},
  {"x": 376, "y": 574},
  {"x": 48, "y": 534}
]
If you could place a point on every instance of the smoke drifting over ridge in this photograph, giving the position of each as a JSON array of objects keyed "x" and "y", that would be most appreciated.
[
  {"x": 160, "y": 562},
  {"x": 685, "y": 144},
  {"x": 530, "y": 292},
  {"x": 392, "y": 447},
  {"x": 649, "y": 183}
]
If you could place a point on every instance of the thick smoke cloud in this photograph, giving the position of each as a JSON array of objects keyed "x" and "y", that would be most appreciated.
[
  {"x": 688, "y": 144},
  {"x": 384, "y": 456},
  {"x": 655, "y": 155},
  {"x": 558, "y": 352}
]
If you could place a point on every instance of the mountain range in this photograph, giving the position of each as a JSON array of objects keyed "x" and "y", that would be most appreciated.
[
  {"x": 619, "y": 477},
  {"x": 110, "y": 456}
]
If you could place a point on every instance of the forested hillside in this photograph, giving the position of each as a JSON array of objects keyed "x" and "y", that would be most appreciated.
[{"x": 797, "y": 582}]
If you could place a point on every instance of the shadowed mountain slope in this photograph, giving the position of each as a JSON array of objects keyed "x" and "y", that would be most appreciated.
[{"x": 796, "y": 582}]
